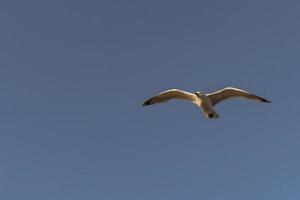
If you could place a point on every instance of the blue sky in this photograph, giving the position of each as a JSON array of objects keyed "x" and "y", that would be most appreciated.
[{"x": 74, "y": 74}]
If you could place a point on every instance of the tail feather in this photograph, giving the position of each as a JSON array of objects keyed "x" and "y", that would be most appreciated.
[{"x": 212, "y": 115}]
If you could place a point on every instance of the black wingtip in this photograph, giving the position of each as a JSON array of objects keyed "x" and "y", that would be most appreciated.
[
  {"x": 265, "y": 101},
  {"x": 147, "y": 103}
]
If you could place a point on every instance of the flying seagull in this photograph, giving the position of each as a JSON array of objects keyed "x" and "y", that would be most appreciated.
[{"x": 204, "y": 101}]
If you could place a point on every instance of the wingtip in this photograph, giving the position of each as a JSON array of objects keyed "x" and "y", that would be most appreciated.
[
  {"x": 147, "y": 103},
  {"x": 265, "y": 101}
]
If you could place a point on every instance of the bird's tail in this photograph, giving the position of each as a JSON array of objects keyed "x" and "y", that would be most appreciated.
[{"x": 212, "y": 115}]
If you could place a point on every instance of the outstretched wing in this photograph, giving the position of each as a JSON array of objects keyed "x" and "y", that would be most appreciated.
[
  {"x": 231, "y": 92},
  {"x": 171, "y": 94}
]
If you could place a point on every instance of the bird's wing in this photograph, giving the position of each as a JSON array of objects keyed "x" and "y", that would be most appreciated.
[
  {"x": 230, "y": 92},
  {"x": 171, "y": 94}
]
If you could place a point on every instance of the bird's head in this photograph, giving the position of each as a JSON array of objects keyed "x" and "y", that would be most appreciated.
[{"x": 199, "y": 94}]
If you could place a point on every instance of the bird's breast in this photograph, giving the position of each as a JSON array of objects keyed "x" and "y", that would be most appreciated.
[{"x": 205, "y": 104}]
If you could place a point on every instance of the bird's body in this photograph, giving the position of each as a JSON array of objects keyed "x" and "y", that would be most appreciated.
[
  {"x": 204, "y": 101},
  {"x": 205, "y": 104}
]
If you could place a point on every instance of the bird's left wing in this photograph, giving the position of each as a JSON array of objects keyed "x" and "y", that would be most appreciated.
[
  {"x": 230, "y": 92},
  {"x": 171, "y": 94}
]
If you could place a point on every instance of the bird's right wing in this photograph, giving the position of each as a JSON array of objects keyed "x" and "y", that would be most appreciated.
[
  {"x": 171, "y": 94},
  {"x": 231, "y": 92}
]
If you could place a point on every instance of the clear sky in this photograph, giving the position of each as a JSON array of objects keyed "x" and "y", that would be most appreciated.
[{"x": 74, "y": 74}]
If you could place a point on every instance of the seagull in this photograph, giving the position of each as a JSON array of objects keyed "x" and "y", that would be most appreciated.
[{"x": 205, "y": 102}]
